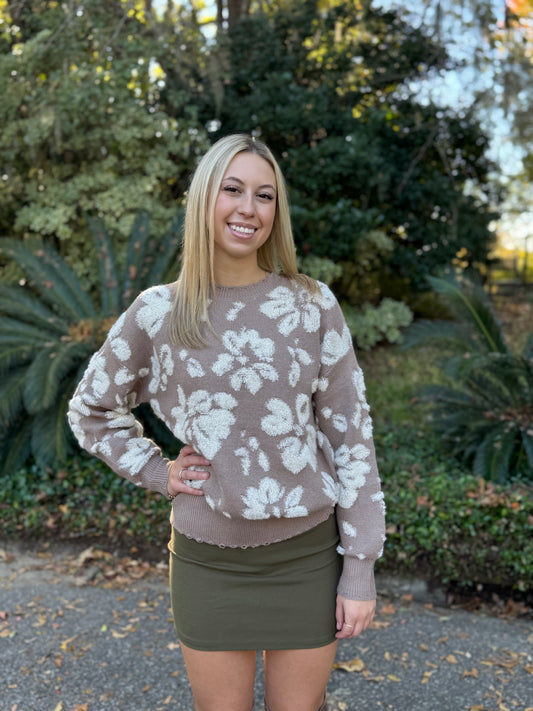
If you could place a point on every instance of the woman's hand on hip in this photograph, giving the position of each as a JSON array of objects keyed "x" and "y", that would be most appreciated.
[
  {"x": 179, "y": 472},
  {"x": 353, "y": 616}
]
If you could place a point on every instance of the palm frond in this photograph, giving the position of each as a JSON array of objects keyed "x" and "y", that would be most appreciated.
[
  {"x": 16, "y": 355},
  {"x": 493, "y": 456},
  {"x": 455, "y": 337},
  {"x": 137, "y": 258},
  {"x": 11, "y": 395},
  {"x": 109, "y": 280},
  {"x": 51, "y": 439},
  {"x": 164, "y": 266},
  {"x": 527, "y": 444},
  {"x": 470, "y": 305},
  {"x": 51, "y": 277},
  {"x": 15, "y": 445},
  {"x": 528, "y": 348},
  {"x": 19, "y": 303},
  {"x": 46, "y": 373},
  {"x": 13, "y": 331}
]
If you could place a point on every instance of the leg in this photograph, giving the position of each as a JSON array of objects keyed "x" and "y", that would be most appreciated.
[
  {"x": 220, "y": 681},
  {"x": 296, "y": 679}
]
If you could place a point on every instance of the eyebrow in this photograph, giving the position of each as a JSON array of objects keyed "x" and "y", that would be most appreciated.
[{"x": 238, "y": 180}]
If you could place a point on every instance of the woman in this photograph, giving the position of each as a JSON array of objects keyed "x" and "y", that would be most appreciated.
[{"x": 251, "y": 365}]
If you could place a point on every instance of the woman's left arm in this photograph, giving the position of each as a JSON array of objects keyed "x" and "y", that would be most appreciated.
[{"x": 345, "y": 425}]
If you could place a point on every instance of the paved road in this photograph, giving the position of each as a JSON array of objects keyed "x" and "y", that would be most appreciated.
[{"x": 84, "y": 631}]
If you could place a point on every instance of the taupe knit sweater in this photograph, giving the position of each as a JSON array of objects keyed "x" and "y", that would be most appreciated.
[{"x": 275, "y": 401}]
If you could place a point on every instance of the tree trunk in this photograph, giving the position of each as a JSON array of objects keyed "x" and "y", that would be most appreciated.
[{"x": 235, "y": 9}]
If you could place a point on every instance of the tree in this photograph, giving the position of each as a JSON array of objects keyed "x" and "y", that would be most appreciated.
[
  {"x": 83, "y": 129},
  {"x": 327, "y": 86}
]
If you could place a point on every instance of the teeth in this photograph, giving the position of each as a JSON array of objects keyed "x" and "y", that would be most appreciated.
[{"x": 243, "y": 230}]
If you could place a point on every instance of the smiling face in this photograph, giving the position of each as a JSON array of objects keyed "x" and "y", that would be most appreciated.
[{"x": 244, "y": 213}]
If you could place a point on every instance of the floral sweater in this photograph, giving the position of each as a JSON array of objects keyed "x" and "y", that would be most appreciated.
[{"x": 275, "y": 401}]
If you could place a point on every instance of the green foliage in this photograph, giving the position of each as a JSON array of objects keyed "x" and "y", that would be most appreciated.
[
  {"x": 85, "y": 498},
  {"x": 320, "y": 268},
  {"x": 83, "y": 128},
  {"x": 326, "y": 85},
  {"x": 50, "y": 327},
  {"x": 370, "y": 325},
  {"x": 484, "y": 413},
  {"x": 443, "y": 523},
  {"x": 449, "y": 525}
]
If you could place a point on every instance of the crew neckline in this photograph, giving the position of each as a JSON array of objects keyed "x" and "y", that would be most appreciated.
[{"x": 226, "y": 291}]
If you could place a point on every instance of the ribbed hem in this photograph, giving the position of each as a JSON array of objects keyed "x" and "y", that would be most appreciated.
[
  {"x": 357, "y": 579},
  {"x": 192, "y": 517}
]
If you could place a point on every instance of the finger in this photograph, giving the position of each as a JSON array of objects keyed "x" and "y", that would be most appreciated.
[
  {"x": 339, "y": 615},
  {"x": 346, "y": 631},
  {"x": 184, "y": 489}
]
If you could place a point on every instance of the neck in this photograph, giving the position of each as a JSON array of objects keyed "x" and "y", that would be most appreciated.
[{"x": 231, "y": 276}]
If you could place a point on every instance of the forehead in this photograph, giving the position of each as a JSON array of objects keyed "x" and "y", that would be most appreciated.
[{"x": 249, "y": 167}]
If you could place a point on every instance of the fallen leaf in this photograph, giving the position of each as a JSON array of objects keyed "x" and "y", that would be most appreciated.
[
  {"x": 66, "y": 642},
  {"x": 387, "y": 610},
  {"x": 378, "y": 624},
  {"x": 392, "y": 677},
  {"x": 354, "y": 665},
  {"x": 451, "y": 659},
  {"x": 472, "y": 672}
]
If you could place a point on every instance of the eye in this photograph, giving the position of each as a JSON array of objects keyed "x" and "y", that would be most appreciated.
[
  {"x": 230, "y": 189},
  {"x": 266, "y": 196}
]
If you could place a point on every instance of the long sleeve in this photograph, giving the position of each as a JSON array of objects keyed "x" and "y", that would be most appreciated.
[
  {"x": 343, "y": 419},
  {"x": 116, "y": 381}
]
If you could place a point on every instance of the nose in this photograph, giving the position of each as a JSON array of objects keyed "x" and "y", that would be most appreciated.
[{"x": 246, "y": 204}]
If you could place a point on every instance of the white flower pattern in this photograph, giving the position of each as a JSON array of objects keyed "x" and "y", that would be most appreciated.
[
  {"x": 299, "y": 449},
  {"x": 268, "y": 500},
  {"x": 251, "y": 452},
  {"x": 204, "y": 418},
  {"x": 249, "y": 359},
  {"x": 157, "y": 304}
]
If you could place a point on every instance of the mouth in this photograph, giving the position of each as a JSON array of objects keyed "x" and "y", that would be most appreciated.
[{"x": 242, "y": 231}]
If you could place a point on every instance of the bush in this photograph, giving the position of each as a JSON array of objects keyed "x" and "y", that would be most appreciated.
[
  {"x": 85, "y": 498},
  {"x": 484, "y": 413},
  {"x": 448, "y": 525},
  {"x": 444, "y": 524}
]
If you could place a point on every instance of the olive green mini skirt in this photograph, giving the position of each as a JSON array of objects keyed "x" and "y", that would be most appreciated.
[{"x": 279, "y": 596}]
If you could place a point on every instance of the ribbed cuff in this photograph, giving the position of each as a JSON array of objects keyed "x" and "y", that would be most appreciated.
[
  {"x": 155, "y": 475},
  {"x": 357, "y": 579}
]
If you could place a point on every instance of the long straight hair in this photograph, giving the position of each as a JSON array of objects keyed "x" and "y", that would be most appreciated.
[{"x": 196, "y": 282}]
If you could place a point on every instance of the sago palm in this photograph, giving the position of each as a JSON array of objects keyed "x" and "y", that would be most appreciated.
[
  {"x": 50, "y": 327},
  {"x": 485, "y": 414}
]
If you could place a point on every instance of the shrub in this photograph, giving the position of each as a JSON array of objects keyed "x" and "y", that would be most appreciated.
[
  {"x": 485, "y": 413},
  {"x": 85, "y": 498},
  {"x": 370, "y": 324},
  {"x": 448, "y": 525}
]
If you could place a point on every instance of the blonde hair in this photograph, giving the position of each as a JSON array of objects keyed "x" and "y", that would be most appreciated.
[{"x": 196, "y": 282}]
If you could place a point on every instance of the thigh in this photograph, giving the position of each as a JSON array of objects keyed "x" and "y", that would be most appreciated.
[
  {"x": 220, "y": 681},
  {"x": 296, "y": 679}
]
